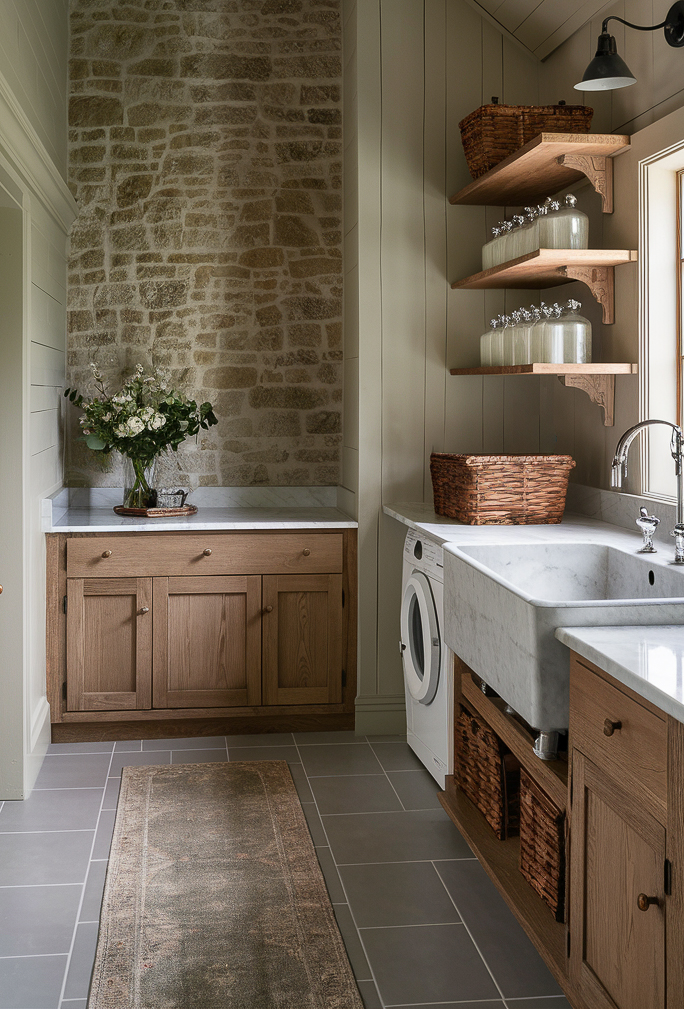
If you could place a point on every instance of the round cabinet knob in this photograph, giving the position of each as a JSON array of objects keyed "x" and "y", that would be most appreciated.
[
  {"x": 144, "y": 609},
  {"x": 207, "y": 552},
  {"x": 306, "y": 551},
  {"x": 268, "y": 609},
  {"x": 609, "y": 727},
  {"x": 644, "y": 901},
  {"x": 0, "y": 590},
  {"x": 106, "y": 553}
]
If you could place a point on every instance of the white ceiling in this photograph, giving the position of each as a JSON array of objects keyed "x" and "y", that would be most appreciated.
[{"x": 540, "y": 26}]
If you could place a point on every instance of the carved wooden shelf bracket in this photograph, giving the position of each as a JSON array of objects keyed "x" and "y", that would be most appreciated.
[
  {"x": 601, "y": 282},
  {"x": 599, "y": 388},
  {"x": 598, "y": 169}
]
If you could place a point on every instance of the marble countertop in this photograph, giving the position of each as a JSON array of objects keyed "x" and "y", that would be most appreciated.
[{"x": 649, "y": 660}]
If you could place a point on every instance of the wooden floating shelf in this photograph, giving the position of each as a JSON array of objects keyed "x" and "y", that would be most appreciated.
[
  {"x": 551, "y": 267},
  {"x": 597, "y": 380},
  {"x": 549, "y": 162}
]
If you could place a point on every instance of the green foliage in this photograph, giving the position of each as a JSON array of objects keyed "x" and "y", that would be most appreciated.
[{"x": 142, "y": 420}]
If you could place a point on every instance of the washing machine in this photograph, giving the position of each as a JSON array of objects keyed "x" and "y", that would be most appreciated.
[{"x": 427, "y": 678}]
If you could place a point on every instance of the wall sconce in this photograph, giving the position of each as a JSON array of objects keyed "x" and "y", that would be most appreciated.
[{"x": 608, "y": 71}]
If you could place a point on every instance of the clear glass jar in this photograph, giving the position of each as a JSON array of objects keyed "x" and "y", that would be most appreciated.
[
  {"x": 486, "y": 345},
  {"x": 547, "y": 225},
  {"x": 521, "y": 338},
  {"x": 516, "y": 238},
  {"x": 537, "y": 332},
  {"x": 509, "y": 323},
  {"x": 553, "y": 342},
  {"x": 497, "y": 346},
  {"x": 488, "y": 249},
  {"x": 569, "y": 227},
  {"x": 577, "y": 334},
  {"x": 529, "y": 231}
]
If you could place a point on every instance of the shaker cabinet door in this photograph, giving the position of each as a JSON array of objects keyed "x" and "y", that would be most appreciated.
[
  {"x": 617, "y": 949},
  {"x": 207, "y": 641},
  {"x": 302, "y": 639},
  {"x": 109, "y": 643}
]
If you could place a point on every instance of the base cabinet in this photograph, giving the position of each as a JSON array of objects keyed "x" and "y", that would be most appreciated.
[{"x": 174, "y": 625}]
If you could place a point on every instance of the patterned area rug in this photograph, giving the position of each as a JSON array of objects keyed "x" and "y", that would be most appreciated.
[{"x": 214, "y": 898}]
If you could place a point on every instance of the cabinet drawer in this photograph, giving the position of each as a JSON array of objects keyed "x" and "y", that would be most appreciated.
[
  {"x": 142, "y": 555},
  {"x": 635, "y": 753}
]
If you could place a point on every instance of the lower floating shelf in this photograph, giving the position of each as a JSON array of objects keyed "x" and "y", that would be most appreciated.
[{"x": 597, "y": 380}]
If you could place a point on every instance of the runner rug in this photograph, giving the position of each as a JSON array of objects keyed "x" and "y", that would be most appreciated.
[{"x": 214, "y": 898}]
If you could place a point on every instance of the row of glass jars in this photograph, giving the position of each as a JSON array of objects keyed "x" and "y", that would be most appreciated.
[
  {"x": 551, "y": 225},
  {"x": 542, "y": 333}
]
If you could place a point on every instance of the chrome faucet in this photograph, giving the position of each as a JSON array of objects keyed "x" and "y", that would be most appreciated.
[{"x": 619, "y": 473}]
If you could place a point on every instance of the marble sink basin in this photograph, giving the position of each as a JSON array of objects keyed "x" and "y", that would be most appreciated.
[{"x": 504, "y": 602}]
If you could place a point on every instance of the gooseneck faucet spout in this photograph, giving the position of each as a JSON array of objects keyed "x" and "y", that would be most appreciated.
[{"x": 619, "y": 472}]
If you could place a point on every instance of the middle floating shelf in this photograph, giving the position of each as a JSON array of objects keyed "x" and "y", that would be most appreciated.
[{"x": 551, "y": 267}]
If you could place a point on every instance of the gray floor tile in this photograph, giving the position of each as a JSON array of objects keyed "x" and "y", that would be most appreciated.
[
  {"x": 398, "y": 893},
  {"x": 352, "y": 943},
  {"x": 37, "y": 919},
  {"x": 31, "y": 982},
  {"x": 74, "y": 770},
  {"x": 331, "y": 875},
  {"x": 127, "y": 745},
  {"x": 198, "y": 756},
  {"x": 111, "y": 794},
  {"x": 288, "y": 753},
  {"x": 428, "y": 963},
  {"x": 519, "y": 970},
  {"x": 387, "y": 739},
  {"x": 301, "y": 783},
  {"x": 341, "y": 736},
  {"x": 138, "y": 759},
  {"x": 396, "y": 756},
  {"x": 416, "y": 789},
  {"x": 414, "y": 836},
  {"x": 82, "y": 960},
  {"x": 104, "y": 747},
  {"x": 92, "y": 897},
  {"x": 194, "y": 743},
  {"x": 454, "y": 1005},
  {"x": 344, "y": 758},
  {"x": 103, "y": 837},
  {"x": 369, "y": 994},
  {"x": 78, "y": 1003},
  {"x": 557, "y": 1002},
  {"x": 261, "y": 739},
  {"x": 50, "y": 857},
  {"x": 314, "y": 822},
  {"x": 354, "y": 793},
  {"x": 59, "y": 809}
]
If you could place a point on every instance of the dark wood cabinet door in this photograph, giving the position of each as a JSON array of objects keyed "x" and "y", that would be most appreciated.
[
  {"x": 109, "y": 643},
  {"x": 617, "y": 951},
  {"x": 302, "y": 639},
  {"x": 207, "y": 641}
]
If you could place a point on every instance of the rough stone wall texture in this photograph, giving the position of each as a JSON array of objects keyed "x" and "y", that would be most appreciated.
[{"x": 205, "y": 151}]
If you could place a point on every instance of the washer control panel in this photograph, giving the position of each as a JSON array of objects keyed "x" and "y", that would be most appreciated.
[{"x": 424, "y": 553}]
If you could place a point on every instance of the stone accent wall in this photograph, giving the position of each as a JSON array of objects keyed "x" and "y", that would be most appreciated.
[{"x": 205, "y": 155}]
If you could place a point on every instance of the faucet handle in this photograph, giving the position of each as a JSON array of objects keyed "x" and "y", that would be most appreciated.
[{"x": 648, "y": 525}]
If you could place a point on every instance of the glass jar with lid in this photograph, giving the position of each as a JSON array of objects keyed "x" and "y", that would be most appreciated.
[{"x": 576, "y": 335}]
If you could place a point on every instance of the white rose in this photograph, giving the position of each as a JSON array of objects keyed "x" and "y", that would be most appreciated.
[
  {"x": 157, "y": 422},
  {"x": 135, "y": 425}
]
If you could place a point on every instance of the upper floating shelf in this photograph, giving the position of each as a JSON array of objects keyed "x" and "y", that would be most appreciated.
[
  {"x": 550, "y": 267},
  {"x": 549, "y": 162}
]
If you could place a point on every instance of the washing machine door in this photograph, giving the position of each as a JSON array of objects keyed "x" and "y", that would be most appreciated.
[{"x": 421, "y": 647}]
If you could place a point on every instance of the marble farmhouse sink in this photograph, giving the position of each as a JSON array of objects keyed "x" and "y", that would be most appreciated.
[{"x": 503, "y": 603}]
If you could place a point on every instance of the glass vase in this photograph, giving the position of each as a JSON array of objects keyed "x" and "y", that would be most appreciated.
[{"x": 139, "y": 491}]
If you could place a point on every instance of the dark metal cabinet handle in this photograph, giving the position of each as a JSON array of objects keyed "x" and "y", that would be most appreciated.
[
  {"x": 609, "y": 727},
  {"x": 207, "y": 551},
  {"x": 644, "y": 901},
  {"x": 107, "y": 553}
]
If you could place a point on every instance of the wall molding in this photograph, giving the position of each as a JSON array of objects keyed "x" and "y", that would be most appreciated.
[{"x": 29, "y": 157}]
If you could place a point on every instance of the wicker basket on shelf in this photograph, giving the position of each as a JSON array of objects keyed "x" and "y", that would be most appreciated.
[
  {"x": 493, "y": 132},
  {"x": 500, "y": 489},
  {"x": 488, "y": 773},
  {"x": 542, "y": 845}
]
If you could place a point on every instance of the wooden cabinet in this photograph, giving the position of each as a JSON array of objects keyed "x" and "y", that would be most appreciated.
[
  {"x": 619, "y": 889},
  {"x": 173, "y": 625}
]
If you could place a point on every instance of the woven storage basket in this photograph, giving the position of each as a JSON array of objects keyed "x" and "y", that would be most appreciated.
[
  {"x": 492, "y": 132},
  {"x": 542, "y": 845},
  {"x": 500, "y": 489},
  {"x": 488, "y": 773}
]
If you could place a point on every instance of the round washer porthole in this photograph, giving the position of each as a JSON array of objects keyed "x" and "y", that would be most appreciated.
[{"x": 420, "y": 635}]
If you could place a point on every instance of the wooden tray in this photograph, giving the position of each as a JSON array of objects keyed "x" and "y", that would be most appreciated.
[{"x": 155, "y": 513}]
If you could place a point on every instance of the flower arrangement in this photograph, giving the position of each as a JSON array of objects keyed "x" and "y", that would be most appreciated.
[{"x": 144, "y": 418}]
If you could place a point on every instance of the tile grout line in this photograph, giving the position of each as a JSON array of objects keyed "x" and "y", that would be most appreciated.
[
  {"x": 80, "y": 904},
  {"x": 387, "y": 777},
  {"x": 351, "y": 913}
]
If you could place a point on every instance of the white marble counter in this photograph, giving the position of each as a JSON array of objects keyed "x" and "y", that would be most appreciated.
[
  {"x": 649, "y": 660},
  {"x": 220, "y": 508}
]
